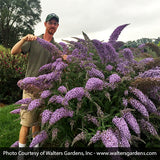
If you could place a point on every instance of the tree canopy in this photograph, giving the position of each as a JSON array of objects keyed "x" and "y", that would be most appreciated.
[{"x": 17, "y": 18}]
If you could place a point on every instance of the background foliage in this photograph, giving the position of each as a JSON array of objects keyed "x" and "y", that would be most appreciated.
[
  {"x": 12, "y": 68},
  {"x": 17, "y": 19}
]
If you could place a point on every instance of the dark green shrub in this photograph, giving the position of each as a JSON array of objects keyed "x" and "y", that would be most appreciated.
[{"x": 12, "y": 68}]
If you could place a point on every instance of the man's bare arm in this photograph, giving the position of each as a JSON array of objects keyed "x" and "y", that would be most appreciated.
[{"x": 17, "y": 47}]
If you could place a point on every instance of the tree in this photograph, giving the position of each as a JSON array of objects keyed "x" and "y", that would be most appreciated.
[{"x": 17, "y": 18}]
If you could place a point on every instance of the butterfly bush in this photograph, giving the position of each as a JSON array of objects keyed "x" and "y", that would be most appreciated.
[{"x": 91, "y": 99}]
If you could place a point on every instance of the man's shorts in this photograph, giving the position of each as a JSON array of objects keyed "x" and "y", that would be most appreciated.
[{"x": 29, "y": 118}]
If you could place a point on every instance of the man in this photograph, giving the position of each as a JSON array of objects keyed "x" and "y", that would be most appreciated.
[{"x": 37, "y": 57}]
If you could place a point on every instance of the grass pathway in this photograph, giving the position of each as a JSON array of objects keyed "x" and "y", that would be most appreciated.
[{"x": 9, "y": 126}]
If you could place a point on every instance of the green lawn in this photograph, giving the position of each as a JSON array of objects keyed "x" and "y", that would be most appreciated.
[{"x": 9, "y": 126}]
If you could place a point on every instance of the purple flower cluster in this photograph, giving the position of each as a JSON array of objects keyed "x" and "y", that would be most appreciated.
[
  {"x": 80, "y": 136},
  {"x": 126, "y": 92},
  {"x": 60, "y": 66},
  {"x": 16, "y": 111},
  {"x": 146, "y": 60},
  {"x": 109, "y": 53},
  {"x": 150, "y": 106},
  {"x": 62, "y": 89},
  {"x": 125, "y": 102},
  {"x": 24, "y": 101},
  {"x": 128, "y": 55},
  {"x": 47, "y": 67},
  {"x": 114, "y": 78},
  {"x": 122, "y": 140},
  {"x": 121, "y": 124},
  {"x": 54, "y": 133},
  {"x": 139, "y": 94},
  {"x": 109, "y": 139},
  {"x": 94, "y": 84},
  {"x": 34, "y": 104},
  {"x": 139, "y": 106},
  {"x": 96, "y": 73},
  {"x": 93, "y": 120},
  {"x": 100, "y": 50},
  {"x": 46, "y": 115},
  {"x": 77, "y": 92},
  {"x": 59, "y": 114},
  {"x": 114, "y": 36},
  {"x": 122, "y": 68},
  {"x": 145, "y": 125},
  {"x": 45, "y": 94},
  {"x": 86, "y": 64},
  {"x": 131, "y": 120},
  {"x": 65, "y": 47},
  {"x": 109, "y": 67},
  {"x": 42, "y": 136},
  {"x": 96, "y": 137},
  {"x": 152, "y": 73},
  {"x": 49, "y": 46},
  {"x": 15, "y": 144}
]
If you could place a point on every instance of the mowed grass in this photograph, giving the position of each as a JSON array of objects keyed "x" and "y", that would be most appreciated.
[{"x": 9, "y": 126}]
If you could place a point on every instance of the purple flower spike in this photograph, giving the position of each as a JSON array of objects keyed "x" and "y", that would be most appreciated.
[
  {"x": 114, "y": 78},
  {"x": 16, "y": 111},
  {"x": 96, "y": 73},
  {"x": 109, "y": 67},
  {"x": 131, "y": 120},
  {"x": 52, "y": 99},
  {"x": 139, "y": 94},
  {"x": 122, "y": 140},
  {"x": 93, "y": 120},
  {"x": 47, "y": 67},
  {"x": 62, "y": 89},
  {"x": 49, "y": 46},
  {"x": 109, "y": 139},
  {"x": 46, "y": 115},
  {"x": 145, "y": 125},
  {"x": 139, "y": 106},
  {"x": 128, "y": 55},
  {"x": 42, "y": 136},
  {"x": 94, "y": 84},
  {"x": 59, "y": 114},
  {"x": 54, "y": 133},
  {"x": 150, "y": 106},
  {"x": 34, "y": 104},
  {"x": 96, "y": 137},
  {"x": 121, "y": 124},
  {"x": 24, "y": 101},
  {"x": 80, "y": 136},
  {"x": 114, "y": 36},
  {"x": 77, "y": 92},
  {"x": 45, "y": 94},
  {"x": 125, "y": 102},
  {"x": 16, "y": 144}
]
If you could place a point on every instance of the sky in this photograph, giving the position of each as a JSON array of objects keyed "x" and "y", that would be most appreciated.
[{"x": 99, "y": 18}]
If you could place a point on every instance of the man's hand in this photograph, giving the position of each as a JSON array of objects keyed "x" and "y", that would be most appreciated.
[
  {"x": 29, "y": 37},
  {"x": 64, "y": 57}
]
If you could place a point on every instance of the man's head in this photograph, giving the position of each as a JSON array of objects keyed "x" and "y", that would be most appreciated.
[
  {"x": 52, "y": 16},
  {"x": 51, "y": 23}
]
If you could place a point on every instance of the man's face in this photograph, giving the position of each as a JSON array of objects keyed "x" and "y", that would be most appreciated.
[{"x": 51, "y": 26}]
